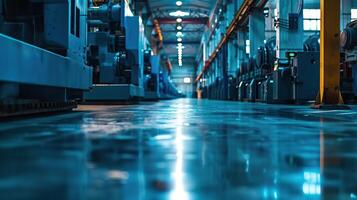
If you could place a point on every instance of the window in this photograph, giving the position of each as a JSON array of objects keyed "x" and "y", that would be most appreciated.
[
  {"x": 187, "y": 80},
  {"x": 247, "y": 47},
  {"x": 311, "y": 19},
  {"x": 354, "y": 14}
]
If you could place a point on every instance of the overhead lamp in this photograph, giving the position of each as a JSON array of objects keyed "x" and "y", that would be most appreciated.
[
  {"x": 179, "y": 27},
  {"x": 266, "y": 12},
  {"x": 179, "y": 39},
  {"x": 178, "y": 3},
  {"x": 179, "y": 13},
  {"x": 179, "y": 20},
  {"x": 179, "y": 34}
]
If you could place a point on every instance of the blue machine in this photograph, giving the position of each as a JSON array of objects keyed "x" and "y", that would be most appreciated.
[
  {"x": 291, "y": 80},
  {"x": 42, "y": 55},
  {"x": 116, "y": 52},
  {"x": 167, "y": 89},
  {"x": 297, "y": 78},
  {"x": 151, "y": 72},
  {"x": 349, "y": 45}
]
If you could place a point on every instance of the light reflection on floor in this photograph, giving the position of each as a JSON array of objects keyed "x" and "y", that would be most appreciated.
[{"x": 181, "y": 150}]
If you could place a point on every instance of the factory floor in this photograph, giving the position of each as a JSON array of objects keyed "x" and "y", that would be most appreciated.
[{"x": 182, "y": 149}]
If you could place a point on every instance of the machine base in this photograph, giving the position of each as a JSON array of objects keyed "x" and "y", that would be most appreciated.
[
  {"x": 28, "y": 108},
  {"x": 114, "y": 92}
]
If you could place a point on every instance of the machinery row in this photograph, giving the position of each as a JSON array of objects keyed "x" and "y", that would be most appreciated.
[
  {"x": 55, "y": 54},
  {"x": 266, "y": 75}
]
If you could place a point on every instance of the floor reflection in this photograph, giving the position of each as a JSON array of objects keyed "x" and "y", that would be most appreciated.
[{"x": 181, "y": 150}]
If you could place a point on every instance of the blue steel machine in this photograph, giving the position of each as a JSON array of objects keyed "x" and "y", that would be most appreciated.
[
  {"x": 116, "y": 52},
  {"x": 349, "y": 45},
  {"x": 291, "y": 80},
  {"x": 42, "y": 55},
  {"x": 151, "y": 72}
]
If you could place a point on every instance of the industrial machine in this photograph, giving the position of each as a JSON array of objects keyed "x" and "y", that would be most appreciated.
[
  {"x": 254, "y": 76},
  {"x": 296, "y": 79},
  {"x": 117, "y": 43},
  {"x": 151, "y": 76},
  {"x": 266, "y": 57},
  {"x": 349, "y": 61},
  {"x": 42, "y": 55},
  {"x": 168, "y": 89},
  {"x": 243, "y": 80}
]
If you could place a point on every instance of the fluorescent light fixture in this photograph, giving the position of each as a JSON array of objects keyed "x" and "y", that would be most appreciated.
[
  {"x": 178, "y": 3},
  {"x": 179, "y": 34},
  {"x": 179, "y": 27},
  {"x": 179, "y": 20},
  {"x": 179, "y": 39},
  {"x": 179, "y": 13}
]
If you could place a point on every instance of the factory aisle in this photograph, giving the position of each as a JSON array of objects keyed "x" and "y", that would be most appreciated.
[{"x": 181, "y": 150}]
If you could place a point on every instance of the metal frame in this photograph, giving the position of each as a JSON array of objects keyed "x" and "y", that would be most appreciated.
[{"x": 27, "y": 64}]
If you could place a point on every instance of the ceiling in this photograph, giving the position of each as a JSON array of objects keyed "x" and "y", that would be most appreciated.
[{"x": 193, "y": 25}]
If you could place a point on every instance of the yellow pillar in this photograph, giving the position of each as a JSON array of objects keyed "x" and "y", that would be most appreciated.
[{"x": 330, "y": 93}]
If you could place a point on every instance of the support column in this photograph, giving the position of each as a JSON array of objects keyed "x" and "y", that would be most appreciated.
[
  {"x": 330, "y": 94},
  {"x": 289, "y": 40},
  {"x": 256, "y": 31},
  {"x": 232, "y": 48},
  {"x": 241, "y": 38}
]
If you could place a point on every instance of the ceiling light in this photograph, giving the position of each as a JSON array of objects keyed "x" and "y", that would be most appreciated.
[
  {"x": 179, "y": 13},
  {"x": 179, "y": 20},
  {"x": 178, "y": 3},
  {"x": 179, "y": 27},
  {"x": 179, "y": 39},
  {"x": 179, "y": 34}
]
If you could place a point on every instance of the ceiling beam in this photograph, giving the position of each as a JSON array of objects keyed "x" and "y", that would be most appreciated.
[
  {"x": 202, "y": 20},
  {"x": 188, "y": 42},
  {"x": 184, "y": 31}
]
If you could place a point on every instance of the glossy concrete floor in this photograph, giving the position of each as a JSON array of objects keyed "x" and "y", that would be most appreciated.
[{"x": 181, "y": 150}]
